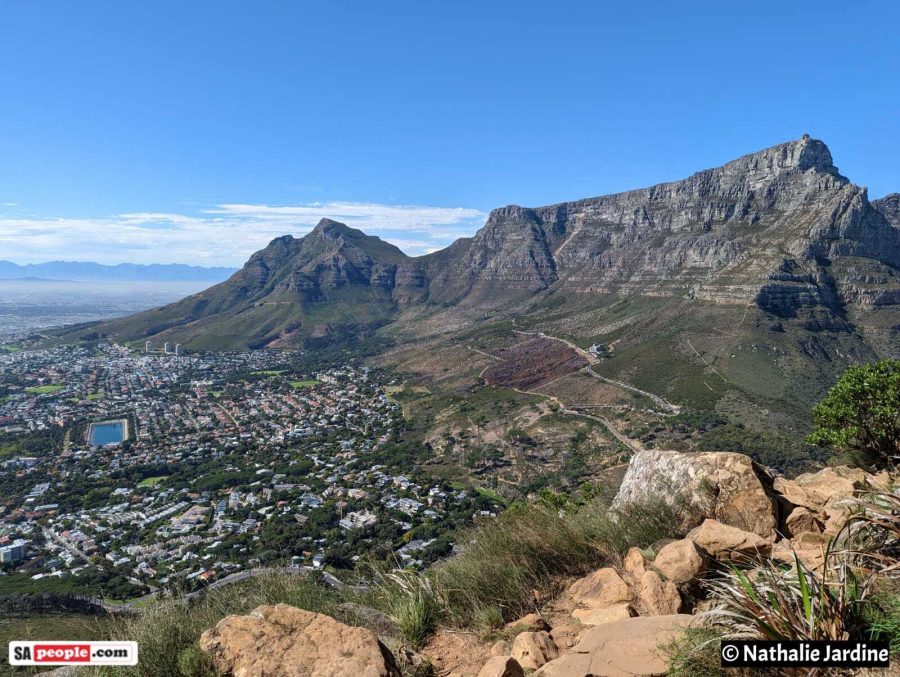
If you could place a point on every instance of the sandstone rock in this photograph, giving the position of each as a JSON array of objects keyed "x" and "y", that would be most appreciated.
[
  {"x": 607, "y": 614},
  {"x": 501, "y": 647},
  {"x": 680, "y": 562},
  {"x": 533, "y": 649},
  {"x": 502, "y": 666},
  {"x": 600, "y": 589},
  {"x": 729, "y": 544},
  {"x": 802, "y": 520},
  {"x": 623, "y": 648},
  {"x": 566, "y": 636},
  {"x": 882, "y": 481},
  {"x": 634, "y": 563},
  {"x": 658, "y": 598},
  {"x": 830, "y": 484},
  {"x": 283, "y": 641},
  {"x": 794, "y": 495},
  {"x": 726, "y": 487},
  {"x": 531, "y": 622},
  {"x": 810, "y": 554}
]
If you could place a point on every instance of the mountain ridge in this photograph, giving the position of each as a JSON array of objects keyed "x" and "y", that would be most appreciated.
[
  {"x": 779, "y": 229},
  {"x": 121, "y": 272}
]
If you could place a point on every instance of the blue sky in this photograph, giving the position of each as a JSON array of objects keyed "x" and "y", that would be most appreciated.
[{"x": 195, "y": 131}]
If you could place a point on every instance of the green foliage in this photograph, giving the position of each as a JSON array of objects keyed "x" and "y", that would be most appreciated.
[
  {"x": 410, "y": 601},
  {"x": 695, "y": 653},
  {"x": 530, "y": 547},
  {"x": 783, "y": 453},
  {"x": 167, "y": 631},
  {"x": 882, "y": 616},
  {"x": 860, "y": 413},
  {"x": 778, "y": 603}
]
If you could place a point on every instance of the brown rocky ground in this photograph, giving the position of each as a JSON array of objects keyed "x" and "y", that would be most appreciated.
[{"x": 609, "y": 623}]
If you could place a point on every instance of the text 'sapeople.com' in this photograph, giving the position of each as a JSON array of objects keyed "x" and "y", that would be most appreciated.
[{"x": 73, "y": 653}]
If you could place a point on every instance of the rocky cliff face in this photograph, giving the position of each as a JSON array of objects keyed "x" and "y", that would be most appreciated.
[
  {"x": 763, "y": 228},
  {"x": 780, "y": 228}
]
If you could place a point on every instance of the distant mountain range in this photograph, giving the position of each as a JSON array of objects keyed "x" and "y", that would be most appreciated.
[
  {"x": 753, "y": 282},
  {"x": 123, "y": 272}
]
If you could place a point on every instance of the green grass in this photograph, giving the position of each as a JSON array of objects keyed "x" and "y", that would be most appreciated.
[
  {"x": 168, "y": 630},
  {"x": 268, "y": 372},
  {"x": 65, "y": 626},
  {"x": 151, "y": 481},
  {"x": 44, "y": 390},
  {"x": 695, "y": 653},
  {"x": 882, "y": 615},
  {"x": 96, "y": 396},
  {"x": 533, "y": 547},
  {"x": 305, "y": 383}
]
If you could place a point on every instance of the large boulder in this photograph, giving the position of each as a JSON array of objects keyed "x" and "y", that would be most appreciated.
[
  {"x": 829, "y": 485},
  {"x": 657, "y": 597},
  {"x": 729, "y": 544},
  {"x": 600, "y": 589},
  {"x": 533, "y": 649},
  {"x": 724, "y": 486},
  {"x": 793, "y": 495},
  {"x": 283, "y": 641},
  {"x": 502, "y": 666},
  {"x": 680, "y": 562},
  {"x": 620, "y": 649}
]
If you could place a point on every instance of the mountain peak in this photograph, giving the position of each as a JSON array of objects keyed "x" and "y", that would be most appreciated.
[
  {"x": 332, "y": 229},
  {"x": 804, "y": 154}
]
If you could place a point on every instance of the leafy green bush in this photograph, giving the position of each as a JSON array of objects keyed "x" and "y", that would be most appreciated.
[{"x": 859, "y": 414}]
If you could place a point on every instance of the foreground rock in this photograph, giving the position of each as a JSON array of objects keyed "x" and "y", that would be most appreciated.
[
  {"x": 283, "y": 641},
  {"x": 680, "y": 562},
  {"x": 657, "y": 597},
  {"x": 729, "y": 544},
  {"x": 726, "y": 487},
  {"x": 600, "y": 589},
  {"x": 502, "y": 666},
  {"x": 620, "y": 649},
  {"x": 533, "y": 649}
]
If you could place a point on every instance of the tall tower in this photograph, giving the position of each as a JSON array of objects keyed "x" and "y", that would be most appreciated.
[
  {"x": 166, "y": 347},
  {"x": 148, "y": 347},
  {"x": 178, "y": 349}
]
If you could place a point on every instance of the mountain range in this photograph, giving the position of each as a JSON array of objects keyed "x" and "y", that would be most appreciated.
[
  {"x": 123, "y": 272},
  {"x": 774, "y": 255}
]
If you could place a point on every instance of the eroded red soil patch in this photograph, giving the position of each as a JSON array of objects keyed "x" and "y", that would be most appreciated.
[{"x": 533, "y": 362}]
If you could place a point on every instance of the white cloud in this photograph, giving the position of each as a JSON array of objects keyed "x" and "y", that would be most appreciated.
[{"x": 223, "y": 234}]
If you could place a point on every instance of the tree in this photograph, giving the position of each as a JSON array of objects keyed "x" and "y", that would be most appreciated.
[{"x": 861, "y": 413}]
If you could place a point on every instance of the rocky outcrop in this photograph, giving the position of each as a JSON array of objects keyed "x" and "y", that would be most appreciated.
[
  {"x": 283, "y": 641},
  {"x": 623, "y": 648},
  {"x": 726, "y": 487}
]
